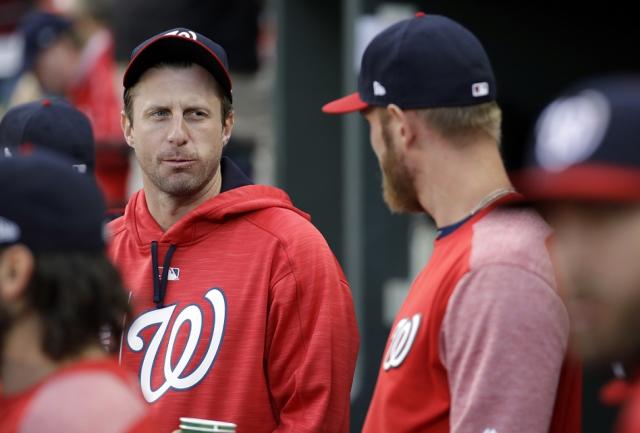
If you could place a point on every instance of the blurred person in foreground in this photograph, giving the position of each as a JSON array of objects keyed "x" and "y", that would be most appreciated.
[
  {"x": 74, "y": 59},
  {"x": 51, "y": 124},
  {"x": 480, "y": 343},
  {"x": 241, "y": 311},
  {"x": 583, "y": 171},
  {"x": 59, "y": 294}
]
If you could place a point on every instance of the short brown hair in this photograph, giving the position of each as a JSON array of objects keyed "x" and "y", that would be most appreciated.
[
  {"x": 457, "y": 122},
  {"x": 226, "y": 105}
]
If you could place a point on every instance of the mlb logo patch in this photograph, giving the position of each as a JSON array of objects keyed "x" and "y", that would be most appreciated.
[
  {"x": 480, "y": 89},
  {"x": 172, "y": 275}
]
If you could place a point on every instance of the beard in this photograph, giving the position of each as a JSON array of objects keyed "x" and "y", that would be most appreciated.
[
  {"x": 183, "y": 182},
  {"x": 398, "y": 189}
]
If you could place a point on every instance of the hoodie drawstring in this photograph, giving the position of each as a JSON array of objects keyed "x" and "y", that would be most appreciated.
[{"x": 160, "y": 283}]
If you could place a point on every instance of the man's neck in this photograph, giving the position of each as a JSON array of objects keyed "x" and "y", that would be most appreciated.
[
  {"x": 167, "y": 209},
  {"x": 461, "y": 180},
  {"x": 24, "y": 364}
]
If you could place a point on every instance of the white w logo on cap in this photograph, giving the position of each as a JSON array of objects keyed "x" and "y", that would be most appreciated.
[
  {"x": 183, "y": 33},
  {"x": 9, "y": 231}
]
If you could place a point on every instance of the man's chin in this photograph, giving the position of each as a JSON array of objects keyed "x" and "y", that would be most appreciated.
[
  {"x": 398, "y": 206},
  {"x": 179, "y": 189}
]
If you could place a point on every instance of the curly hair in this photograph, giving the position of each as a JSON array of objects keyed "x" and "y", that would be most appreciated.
[{"x": 79, "y": 298}]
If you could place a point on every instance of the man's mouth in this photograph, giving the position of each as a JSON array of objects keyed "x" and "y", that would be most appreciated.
[{"x": 178, "y": 162}]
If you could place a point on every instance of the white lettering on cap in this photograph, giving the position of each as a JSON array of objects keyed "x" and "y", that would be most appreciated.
[
  {"x": 9, "y": 231},
  {"x": 571, "y": 129},
  {"x": 480, "y": 89},
  {"x": 378, "y": 89},
  {"x": 183, "y": 33},
  {"x": 80, "y": 168},
  {"x": 7, "y": 152}
]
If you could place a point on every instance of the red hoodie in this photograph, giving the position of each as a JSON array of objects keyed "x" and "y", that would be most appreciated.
[{"x": 257, "y": 325}]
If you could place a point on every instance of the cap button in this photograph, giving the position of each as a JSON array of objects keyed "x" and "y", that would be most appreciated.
[
  {"x": 46, "y": 102},
  {"x": 420, "y": 14},
  {"x": 26, "y": 148}
]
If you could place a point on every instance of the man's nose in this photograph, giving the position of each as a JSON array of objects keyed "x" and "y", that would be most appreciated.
[{"x": 178, "y": 135}]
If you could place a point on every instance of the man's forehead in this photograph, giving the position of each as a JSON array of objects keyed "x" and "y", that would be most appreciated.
[
  {"x": 174, "y": 76},
  {"x": 175, "y": 89}
]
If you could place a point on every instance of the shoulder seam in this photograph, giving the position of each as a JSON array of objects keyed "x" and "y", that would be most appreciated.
[
  {"x": 546, "y": 282},
  {"x": 123, "y": 227},
  {"x": 280, "y": 243}
]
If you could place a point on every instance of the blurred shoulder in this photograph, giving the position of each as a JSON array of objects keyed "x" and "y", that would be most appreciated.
[
  {"x": 85, "y": 400},
  {"x": 514, "y": 236}
]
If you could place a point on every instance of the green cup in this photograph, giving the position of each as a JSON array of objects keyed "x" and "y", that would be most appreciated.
[{"x": 198, "y": 425}]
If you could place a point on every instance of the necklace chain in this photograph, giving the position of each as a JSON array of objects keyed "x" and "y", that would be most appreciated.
[{"x": 490, "y": 198}]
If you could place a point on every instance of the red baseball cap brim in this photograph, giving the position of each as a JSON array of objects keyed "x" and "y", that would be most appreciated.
[
  {"x": 347, "y": 104},
  {"x": 592, "y": 182}
]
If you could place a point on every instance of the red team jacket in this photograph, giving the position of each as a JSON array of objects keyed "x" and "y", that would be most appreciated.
[
  {"x": 479, "y": 344},
  {"x": 257, "y": 326},
  {"x": 86, "y": 396}
]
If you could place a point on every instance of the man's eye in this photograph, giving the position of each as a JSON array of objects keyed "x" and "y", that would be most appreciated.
[
  {"x": 160, "y": 113},
  {"x": 197, "y": 114}
]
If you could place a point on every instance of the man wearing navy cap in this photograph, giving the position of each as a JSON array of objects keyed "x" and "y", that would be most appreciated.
[
  {"x": 74, "y": 59},
  {"x": 583, "y": 170},
  {"x": 479, "y": 344},
  {"x": 59, "y": 296},
  {"x": 241, "y": 312},
  {"x": 51, "y": 124}
]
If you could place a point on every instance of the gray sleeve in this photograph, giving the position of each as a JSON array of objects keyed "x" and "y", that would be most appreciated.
[{"x": 503, "y": 341}]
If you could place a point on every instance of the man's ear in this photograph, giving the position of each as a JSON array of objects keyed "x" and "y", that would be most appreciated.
[
  {"x": 401, "y": 125},
  {"x": 127, "y": 128},
  {"x": 16, "y": 269},
  {"x": 228, "y": 128}
]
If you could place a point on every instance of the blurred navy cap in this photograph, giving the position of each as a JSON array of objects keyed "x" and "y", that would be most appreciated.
[
  {"x": 53, "y": 124},
  {"x": 48, "y": 206},
  {"x": 40, "y": 30},
  {"x": 423, "y": 62},
  {"x": 585, "y": 144},
  {"x": 179, "y": 44}
]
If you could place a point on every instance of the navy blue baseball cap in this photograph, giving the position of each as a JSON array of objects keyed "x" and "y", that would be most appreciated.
[
  {"x": 179, "y": 44},
  {"x": 585, "y": 144},
  {"x": 53, "y": 124},
  {"x": 48, "y": 206},
  {"x": 423, "y": 62},
  {"x": 40, "y": 30}
]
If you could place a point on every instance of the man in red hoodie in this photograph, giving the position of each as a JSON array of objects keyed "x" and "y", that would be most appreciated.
[{"x": 241, "y": 311}]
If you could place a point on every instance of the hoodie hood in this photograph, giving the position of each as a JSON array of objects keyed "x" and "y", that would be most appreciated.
[{"x": 230, "y": 204}]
